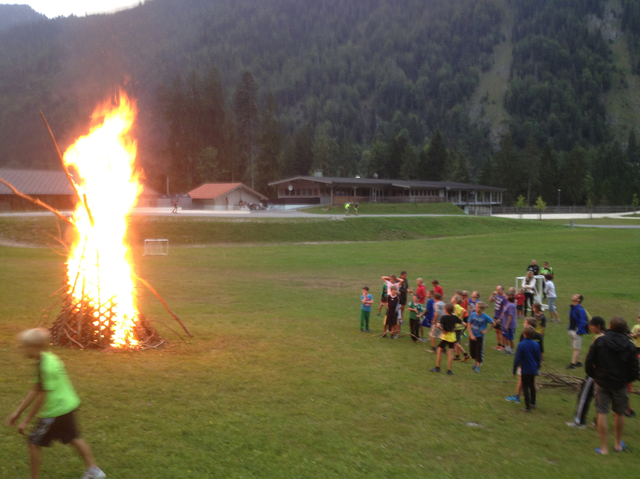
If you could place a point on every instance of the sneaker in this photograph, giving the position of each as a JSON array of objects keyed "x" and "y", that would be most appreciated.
[
  {"x": 630, "y": 413},
  {"x": 435, "y": 370},
  {"x": 457, "y": 358},
  {"x": 515, "y": 399},
  {"x": 476, "y": 369},
  {"x": 579, "y": 364},
  {"x": 93, "y": 473},
  {"x": 534, "y": 406},
  {"x": 497, "y": 347},
  {"x": 571, "y": 366},
  {"x": 379, "y": 314},
  {"x": 526, "y": 410},
  {"x": 466, "y": 359},
  {"x": 450, "y": 372},
  {"x": 576, "y": 425},
  {"x": 432, "y": 350},
  {"x": 508, "y": 353}
]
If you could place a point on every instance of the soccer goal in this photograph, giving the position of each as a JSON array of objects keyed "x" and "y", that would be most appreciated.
[{"x": 154, "y": 247}]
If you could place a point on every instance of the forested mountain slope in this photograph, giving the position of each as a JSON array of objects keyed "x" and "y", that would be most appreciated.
[
  {"x": 347, "y": 86},
  {"x": 12, "y": 15}
]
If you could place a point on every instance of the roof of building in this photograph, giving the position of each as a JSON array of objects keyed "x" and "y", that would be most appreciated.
[
  {"x": 336, "y": 181},
  {"x": 35, "y": 182},
  {"x": 211, "y": 191},
  {"x": 45, "y": 182}
]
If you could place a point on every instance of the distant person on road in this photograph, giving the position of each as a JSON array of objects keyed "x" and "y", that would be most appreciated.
[
  {"x": 577, "y": 329},
  {"x": 355, "y": 208},
  {"x": 175, "y": 207},
  {"x": 534, "y": 268},
  {"x": 226, "y": 201},
  {"x": 612, "y": 362},
  {"x": 346, "y": 208},
  {"x": 550, "y": 291}
]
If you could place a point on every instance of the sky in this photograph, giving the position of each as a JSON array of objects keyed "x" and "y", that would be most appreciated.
[{"x": 55, "y": 8}]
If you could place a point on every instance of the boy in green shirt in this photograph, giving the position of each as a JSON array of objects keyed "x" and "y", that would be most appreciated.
[
  {"x": 55, "y": 399},
  {"x": 416, "y": 311}
]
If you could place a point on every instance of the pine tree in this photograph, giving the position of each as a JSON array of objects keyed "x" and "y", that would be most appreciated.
[
  {"x": 573, "y": 175},
  {"x": 245, "y": 102},
  {"x": 548, "y": 174},
  {"x": 270, "y": 143},
  {"x": 436, "y": 159}
]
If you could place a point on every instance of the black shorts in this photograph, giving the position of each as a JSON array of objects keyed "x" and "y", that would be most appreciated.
[
  {"x": 496, "y": 324},
  {"x": 62, "y": 428},
  {"x": 383, "y": 298},
  {"x": 403, "y": 298},
  {"x": 520, "y": 307},
  {"x": 446, "y": 344},
  {"x": 392, "y": 320},
  {"x": 476, "y": 348}
]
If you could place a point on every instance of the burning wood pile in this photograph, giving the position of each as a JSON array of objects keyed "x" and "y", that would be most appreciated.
[{"x": 99, "y": 301}]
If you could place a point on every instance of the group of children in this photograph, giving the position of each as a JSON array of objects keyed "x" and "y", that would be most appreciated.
[{"x": 464, "y": 316}]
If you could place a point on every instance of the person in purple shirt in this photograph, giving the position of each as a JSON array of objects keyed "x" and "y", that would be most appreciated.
[
  {"x": 498, "y": 297},
  {"x": 509, "y": 323},
  {"x": 528, "y": 360}
]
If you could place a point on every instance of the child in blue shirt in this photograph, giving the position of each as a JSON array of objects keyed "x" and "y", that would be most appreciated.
[
  {"x": 528, "y": 359},
  {"x": 367, "y": 300}
]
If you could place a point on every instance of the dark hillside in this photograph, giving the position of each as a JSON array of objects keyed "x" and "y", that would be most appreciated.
[{"x": 12, "y": 15}]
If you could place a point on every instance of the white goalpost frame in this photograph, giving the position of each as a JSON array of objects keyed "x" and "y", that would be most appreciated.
[
  {"x": 154, "y": 247},
  {"x": 537, "y": 298}
]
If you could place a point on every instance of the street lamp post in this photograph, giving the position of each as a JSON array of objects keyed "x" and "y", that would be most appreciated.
[{"x": 559, "y": 190}]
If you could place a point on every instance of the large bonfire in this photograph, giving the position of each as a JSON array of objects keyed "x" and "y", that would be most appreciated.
[{"x": 99, "y": 306}]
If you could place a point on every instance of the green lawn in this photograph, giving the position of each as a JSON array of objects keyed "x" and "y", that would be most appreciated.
[
  {"x": 390, "y": 209},
  {"x": 597, "y": 221},
  {"x": 280, "y": 382}
]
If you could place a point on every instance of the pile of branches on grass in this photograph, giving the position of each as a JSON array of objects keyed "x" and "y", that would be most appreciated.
[
  {"x": 562, "y": 381},
  {"x": 84, "y": 324}
]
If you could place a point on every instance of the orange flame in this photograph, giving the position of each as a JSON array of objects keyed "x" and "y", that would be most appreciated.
[{"x": 97, "y": 267}]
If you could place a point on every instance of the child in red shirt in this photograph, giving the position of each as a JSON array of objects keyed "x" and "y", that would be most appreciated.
[{"x": 520, "y": 299}]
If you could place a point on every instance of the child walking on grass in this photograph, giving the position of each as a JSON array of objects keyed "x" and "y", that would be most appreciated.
[
  {"x": 538, "y": 338},
  {"x": 55, "y": 400},
  {"x": 528, "y": 360}
]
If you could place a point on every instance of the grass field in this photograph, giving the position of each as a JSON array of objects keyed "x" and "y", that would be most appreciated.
[
  {"x": 183, "y": 230},
  {"x": 390, "y": 209},
  {"x": 279, "y": 381}
]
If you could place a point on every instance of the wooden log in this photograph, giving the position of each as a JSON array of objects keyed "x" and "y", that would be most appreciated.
[
  {"x": 150, "y": 288},
  {"x": 37, "y": 202}
]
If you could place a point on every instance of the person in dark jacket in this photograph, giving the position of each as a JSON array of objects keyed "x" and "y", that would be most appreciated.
[
  {"x": 612, "y": 362},
  {"x": 577, "y": 329},
  {"x": 528, "y": 359}
]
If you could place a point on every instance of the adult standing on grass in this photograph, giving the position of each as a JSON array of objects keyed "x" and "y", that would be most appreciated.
[
  {"x": 500, "y": 300},
  {"x": 529, "y": 287},
  {"x": 533, "y": 267},
  {"x": 55, "y": 400},
  {"x": 577, "y": 329},
  {"x": 612, "y": 362},
  {"x": 597, "y": 326},
  {"x": 550, "y": 291}
]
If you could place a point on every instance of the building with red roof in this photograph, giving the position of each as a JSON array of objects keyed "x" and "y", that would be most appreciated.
[{"x": 217, "y": 196}]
